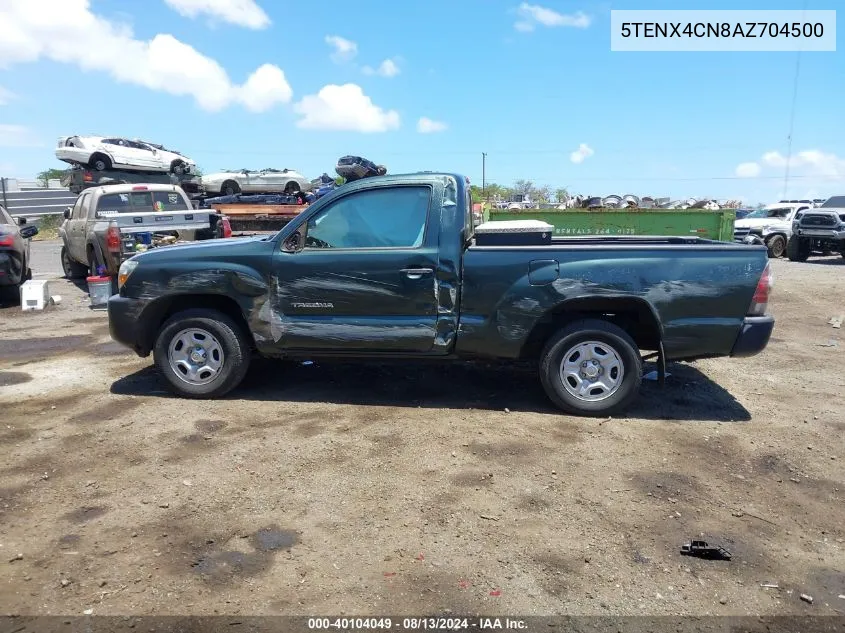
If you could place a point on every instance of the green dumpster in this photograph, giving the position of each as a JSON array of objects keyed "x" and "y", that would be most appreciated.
[{"x": 712, "y": 225}]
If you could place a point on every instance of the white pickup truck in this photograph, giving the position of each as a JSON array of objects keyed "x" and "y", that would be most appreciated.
[
  {"x": 111, "y": 223},
  {"x": 771, "y": 225}
]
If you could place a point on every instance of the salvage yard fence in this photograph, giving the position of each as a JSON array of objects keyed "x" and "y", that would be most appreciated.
[{"x": 31, "y": 199}]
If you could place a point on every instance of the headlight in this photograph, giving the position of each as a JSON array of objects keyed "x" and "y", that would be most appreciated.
[{"x": 125, "y": 270}]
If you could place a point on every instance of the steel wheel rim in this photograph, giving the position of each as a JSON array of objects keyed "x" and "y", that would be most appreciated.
[
  {"x": 592, "y": 371},
  {"x": 195, "y": 356},
  {"x": 66, "y": 262}
]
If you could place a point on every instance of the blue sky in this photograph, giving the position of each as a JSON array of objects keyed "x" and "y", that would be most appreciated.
[{"x": 674, "y": 124}]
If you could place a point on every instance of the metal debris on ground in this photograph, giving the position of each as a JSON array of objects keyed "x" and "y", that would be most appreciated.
[
  {"x": 836, "y": 321},
  {"x": 806, "y": 598},
  {"x": 830, "y": 343},
  {"x": 701, "y": 549}
]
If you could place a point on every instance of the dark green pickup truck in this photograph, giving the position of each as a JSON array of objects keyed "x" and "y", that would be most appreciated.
[{"x": 389, "y": 267}]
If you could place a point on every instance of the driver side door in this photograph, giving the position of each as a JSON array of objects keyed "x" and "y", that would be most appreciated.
[{"x": 365, "y": 279}]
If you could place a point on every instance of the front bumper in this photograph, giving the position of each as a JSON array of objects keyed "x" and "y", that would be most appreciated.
[
  {"x": 821, "y": 234},
  {"x": 754, "y": 336},
  {"x": 124, "y": 326}
]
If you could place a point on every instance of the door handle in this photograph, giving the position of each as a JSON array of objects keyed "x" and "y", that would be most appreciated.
[{"x": 416, "y": 273}]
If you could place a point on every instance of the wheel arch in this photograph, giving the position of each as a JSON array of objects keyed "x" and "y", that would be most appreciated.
[
  {"x": 156, "y": 314},
  {"x": 633, "y": 314}
]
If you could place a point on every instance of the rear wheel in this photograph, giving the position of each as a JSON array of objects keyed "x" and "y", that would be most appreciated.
[
  {"x": 72, "y": 269},
  {"x": 292, "y": 188},
  {"x": 178, "y": 167},
  {"x": 797, "y": 250},
  {"x": 592, "y": 368},
  {"x": 99, "y": 162},
  {"x": 202, "y": 353},
  {"x": 777, "y": 246},
  {"x": 230, "y": 188}
]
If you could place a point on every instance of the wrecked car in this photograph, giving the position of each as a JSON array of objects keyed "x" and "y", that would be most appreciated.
[{"x": 394, "y": 267}]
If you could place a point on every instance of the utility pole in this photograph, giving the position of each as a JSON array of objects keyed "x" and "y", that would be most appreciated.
[{"x": 484, "y": 175}]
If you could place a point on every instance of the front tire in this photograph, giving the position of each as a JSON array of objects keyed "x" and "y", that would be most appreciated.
[
  {"x": 178, "y": 168},
  {"x": 202, "y": 353},
  {"x": 776, "y": 246},
  {"x": 797, "y": 251},
  {"x": 591, "y": 368},
  {"x": 72, "y": 269}
]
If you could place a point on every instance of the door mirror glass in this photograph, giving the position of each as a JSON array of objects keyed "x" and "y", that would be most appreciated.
[
  {"x": 29, "y": 231},
  {"x": 66, "y": 213},
  {"x": 294, "y": 242}
]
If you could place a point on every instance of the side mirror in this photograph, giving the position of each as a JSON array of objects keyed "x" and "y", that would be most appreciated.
[
  {"x": 294, "y": 242},
  {"x": 21, "y": 221},
  {"x": 29, "y": 231},
  {"x": 66, "y": 213}
]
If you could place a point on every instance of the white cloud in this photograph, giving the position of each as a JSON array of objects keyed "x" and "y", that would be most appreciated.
[
  {"x": 6, "y": 96},
  {"x": 748, "y": 170},
  {"x": 264, "y": 88},
  {"x": 388, "y": 68},
  {"x": 17, "y": 136},
  {"x": 429, "y": 126},
  {"x": 811, "y": 163},
  {"x": 583, "y": 152},
  {"x": 67, "y": 31},
  {"x": 532, "y": 15},
  {"x": 344, "y": 50},
  {"x": 240, "y": 12},
  {"x": 344, "y": 108}
]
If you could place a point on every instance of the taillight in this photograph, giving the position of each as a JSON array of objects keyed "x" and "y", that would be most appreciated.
[
  {"x": 6, "y": 239},
  {"x": 88, "y": 176},
  {"x": 227, "y": 227},
  {"x": 139, "y": 188},
  {"x": 113, "y": 239},
  {"x": 760, "y": 300}
]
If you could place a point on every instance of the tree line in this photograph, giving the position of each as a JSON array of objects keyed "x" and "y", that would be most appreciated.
[{"x": 494, "y": 191}]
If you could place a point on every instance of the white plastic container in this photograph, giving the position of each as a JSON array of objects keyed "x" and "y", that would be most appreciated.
[
  {"x": 35, "y": 295},
  {"x": 99, "y": 291}
]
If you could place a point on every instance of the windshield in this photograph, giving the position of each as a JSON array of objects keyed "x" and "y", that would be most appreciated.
[
  {"x": 780, "y": 212},
  {"x": 834, "y": 201}
]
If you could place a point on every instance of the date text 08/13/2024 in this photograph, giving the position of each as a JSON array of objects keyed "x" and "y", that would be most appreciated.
[{"x": 416, "y": 624}]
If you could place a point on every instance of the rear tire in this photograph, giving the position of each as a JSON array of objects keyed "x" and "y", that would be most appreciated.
[
  {"x": 588, "y": 346},
  {"x": 230, "y": 188},
  {"x": 99, "y": 162},
  {"x": 292, "y": 188},
  {"x": 796, "y": 250},
  {"x": 219, "y": 367},
  {"x": 72, "y": 269},
  {"x": 776, "y": 246},
  {"x": 178, "y": 168}
]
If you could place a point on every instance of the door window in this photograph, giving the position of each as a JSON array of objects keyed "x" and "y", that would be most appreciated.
[
  {"x": 78, "y": 212},
  {"x": 389, "y": 217}
]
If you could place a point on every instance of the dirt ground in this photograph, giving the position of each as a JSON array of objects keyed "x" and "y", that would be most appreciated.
[{"x": 404, "y": 489}]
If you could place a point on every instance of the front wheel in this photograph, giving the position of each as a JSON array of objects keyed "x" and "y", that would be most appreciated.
[
  {"x": 776, "y": 246},
  {"x": 71, "y": 268},
  {"x": 591, "y": 368},
  {"x": 797, "y": 250},
  {"x": 202, "y": 353}
]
